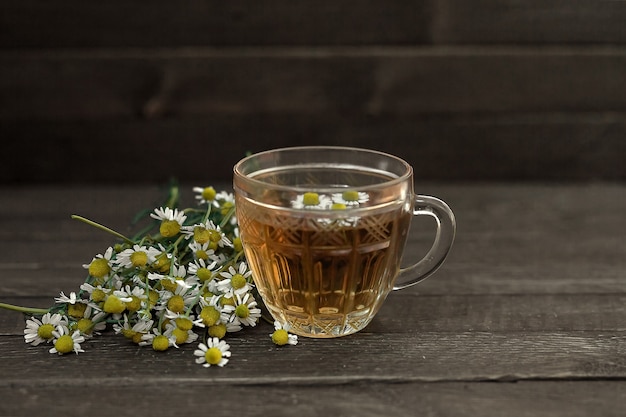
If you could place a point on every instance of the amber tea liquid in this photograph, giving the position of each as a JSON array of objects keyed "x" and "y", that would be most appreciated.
[{"x": 325, "y": 272}]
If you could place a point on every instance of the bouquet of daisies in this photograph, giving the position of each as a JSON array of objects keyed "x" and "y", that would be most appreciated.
[{"x": 182, "y": 279}]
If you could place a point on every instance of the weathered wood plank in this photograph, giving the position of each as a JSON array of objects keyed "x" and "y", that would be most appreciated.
[
  {"x": 399, "y": 357},
  {"x": 103, "y": 85},
  {"x": 367, "y": 399},
  {"x": 72, "y": 23},
  {"x": 536, "y": 147}
]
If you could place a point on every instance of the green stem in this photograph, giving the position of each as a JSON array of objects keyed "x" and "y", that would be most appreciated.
[
  {"x": 172, "y": 201},
  {"x": 101, "y": 227},
  {"x": 31, "y": 310}
]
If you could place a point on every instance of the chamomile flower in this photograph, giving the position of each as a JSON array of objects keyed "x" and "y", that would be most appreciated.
[
  {"x": 311, "y": 201},
  {"x": 101, "y": 266},
  {"x": 214, "y": 352},
  {"x": 237, "y": 244},
  {"x": 115, "y": 304},
  {"x": 178, "y": 300},
  {"x": 209, "y": 233},
  {"x": 180, "y": 335},
  {"x": 178, "y": 278},
  {"x": 159, "y": 341},
  {"x": 66, "y": 342},
  {"x": 92, "y": 322},
  {"x": 245, "y": 310},
  {"x": 223, "y": 316},
  {"x": 97, "y": 294},
  {"x": 235, "y": 280},
  {"x": 203, "y": 251},
  {"x": 224, "y": 197},
  {"x": 75, "y": 306},
  {"x": 137, "y": 257},
  {"x": 171, "y": 220},
  {"x": 41, "y": 330},
  {"x": 134, "y": 332},
  {"x": 351, "y": 198},
  {"x": 281, "y": 335},
  {"x": 225, "y": 202},
  {"x": 202, "y": 270},
  {"x": 204, "y": 195},
  {"x": 133, "y": 296},
  {"x": 163, "y": 261}
]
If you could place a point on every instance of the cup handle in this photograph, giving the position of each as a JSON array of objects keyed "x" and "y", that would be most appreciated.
[{"x": 446, "y": 230}]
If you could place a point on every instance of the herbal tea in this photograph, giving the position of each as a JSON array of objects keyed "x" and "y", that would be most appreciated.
[{"x": 326, "y": 266}]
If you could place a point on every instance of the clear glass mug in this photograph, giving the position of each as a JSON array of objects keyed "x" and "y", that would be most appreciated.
[{"x": 324, "y": 230}]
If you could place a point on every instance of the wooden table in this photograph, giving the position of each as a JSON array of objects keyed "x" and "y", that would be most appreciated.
[{"x": 527, "y": 317}]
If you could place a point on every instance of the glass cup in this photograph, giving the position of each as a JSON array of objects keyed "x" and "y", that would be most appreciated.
[{"x": 324, "y": 229}]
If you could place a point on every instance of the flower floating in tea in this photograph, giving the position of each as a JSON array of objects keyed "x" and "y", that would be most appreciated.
[
  {"x": 183, "y": 279},
  {"x": 336, "y": 201},
  {"x": 345, "y": 200},
  {"x": 351, "y": 198}
]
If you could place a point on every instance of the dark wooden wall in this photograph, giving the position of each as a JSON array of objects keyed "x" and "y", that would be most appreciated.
[{"x": 130, "y": 90}]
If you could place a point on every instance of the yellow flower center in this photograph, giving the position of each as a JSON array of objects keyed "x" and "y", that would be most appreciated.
[
  {"x": 226, "y": 207},
  {"x": 227, "y": 301},
  {"x": 184, "y": 323},
  {"x": 280, "y": 337},
  {"x": 45, "y": 331},
  {"x": 180, "y": 335},
  {"x": 114, "y": 305},
  {"x": 76, "y": 310},
  {"x": 139, "y": 259},
  {"x": 153, "y": 297},
  {"x": 64, "y": 344},
  {"x": 84, "y": 325},
  {"x": 98, "y": 295},
  {"x": 136, "y": 338},
  {"x": 169, "y": 228},
  {"x": 176, "y": 304},
  {"x": 201, "y": 254},
  {"x": 310, "y": 199},
  {"x": 128, "y": 333},
  {"x": 204, "y": 274},
  {"x": 134, "y": 305},
  {"x": 237, "y": 244},
  {"x": 209, "y": 315},
  {"x": 168, "y": 284},
  {"x": 242, "y": 311},
  {"x": 215, "y": 236},
  {"x": 338, "y": 206},
  {"x": 201, "y": 235},
  {"x": 99, "y": 268},
  {"x": 213, "y": 356},
  {"x": 217, "y": 330},
  {"x": 209, "y": 193},
  {"x": 350, "y": 195},
  {"x": 160, "y": 343},
  {"x": 238, "y": 281},
  {"x": 162, "y": 263}
]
